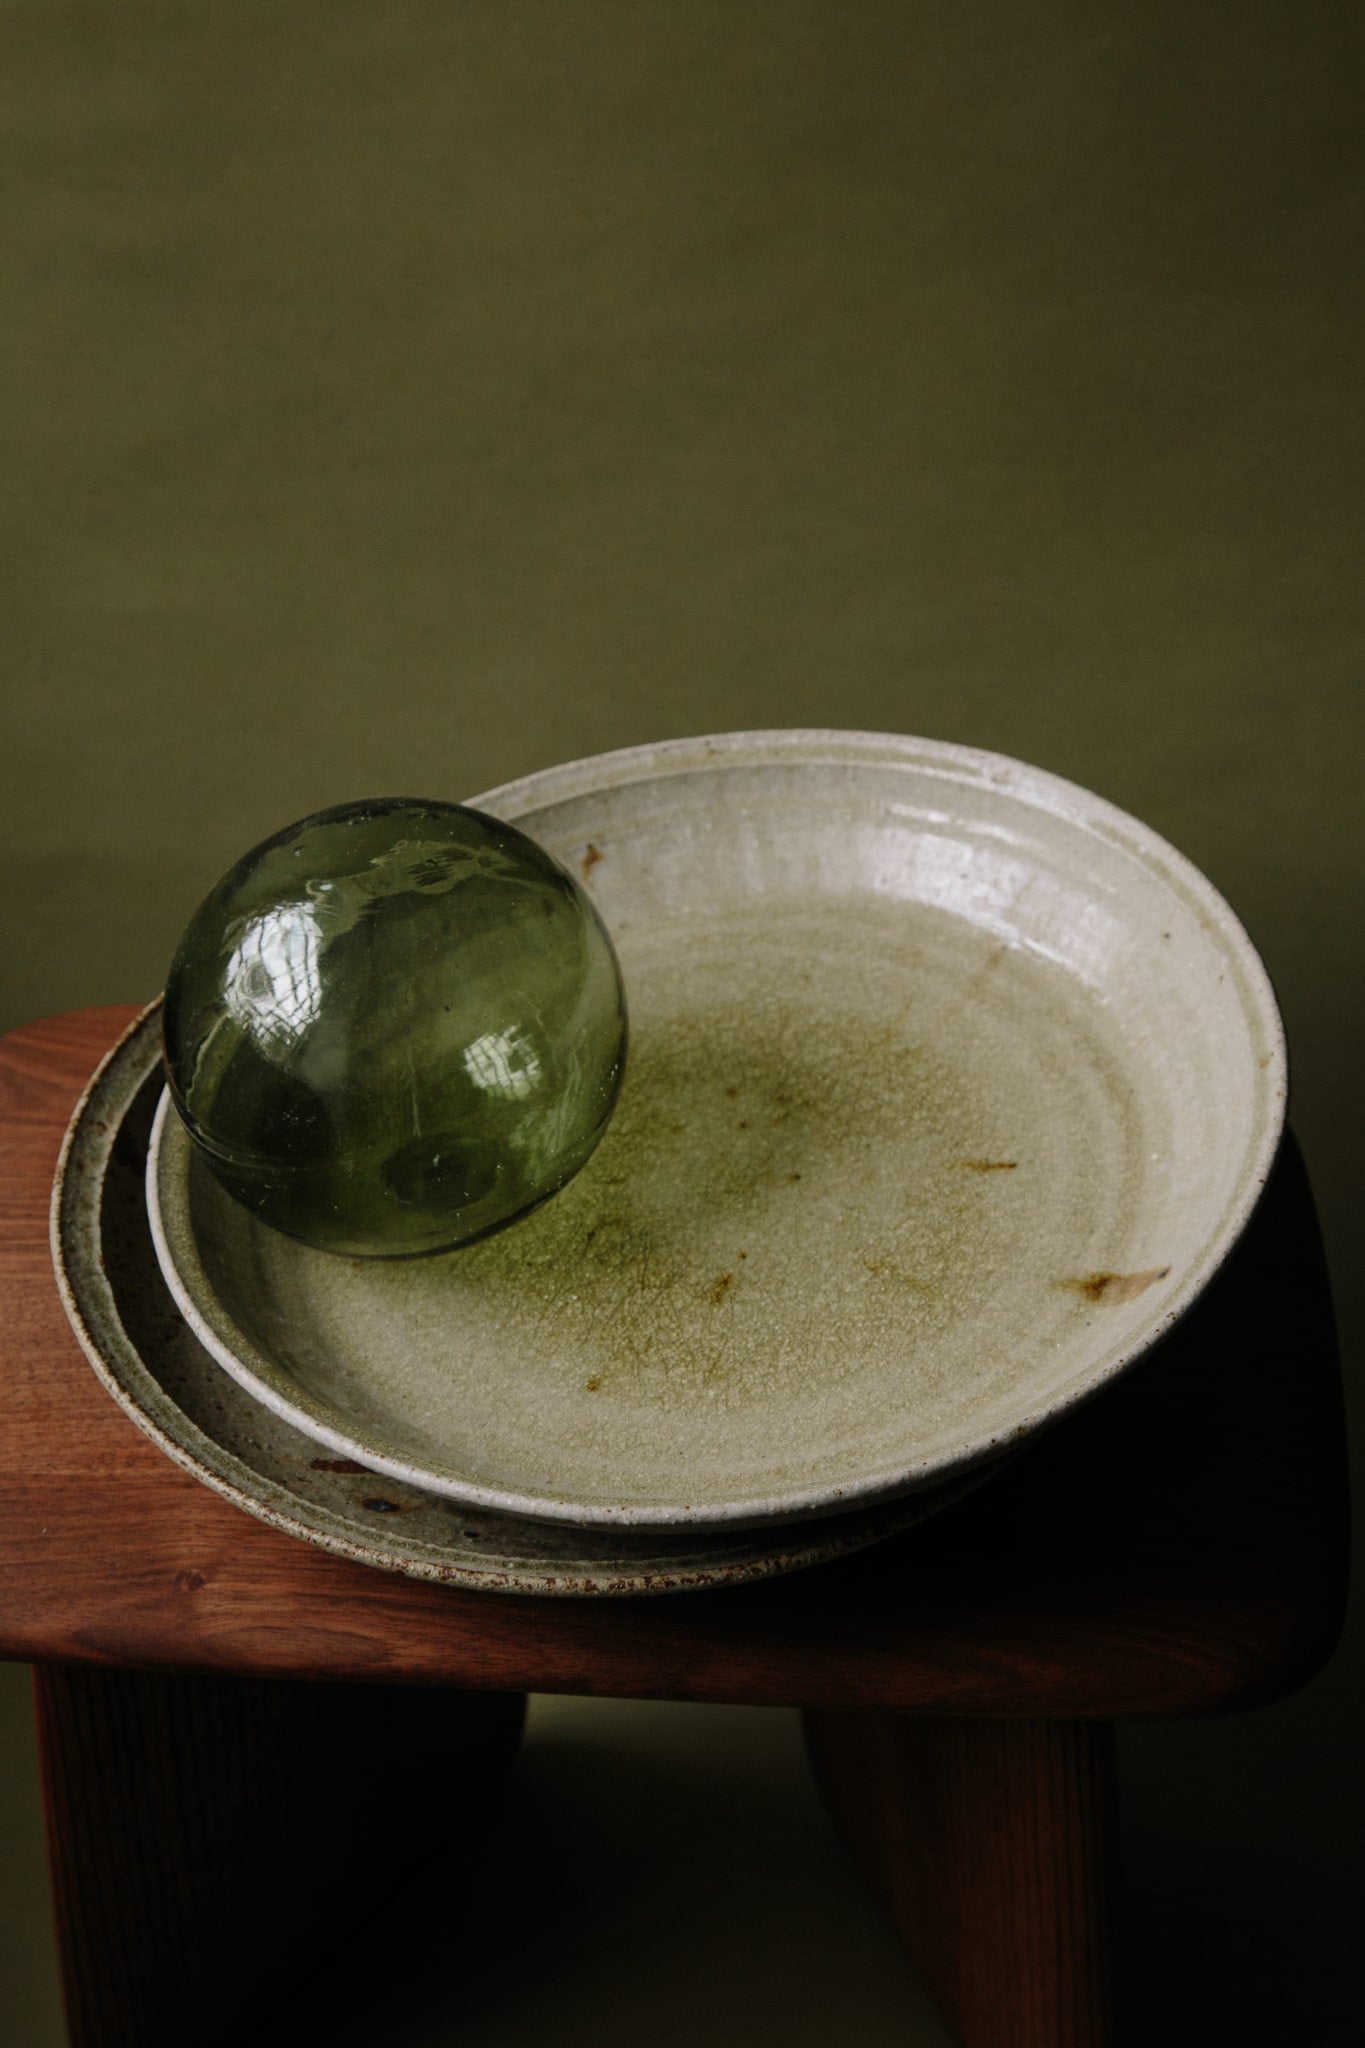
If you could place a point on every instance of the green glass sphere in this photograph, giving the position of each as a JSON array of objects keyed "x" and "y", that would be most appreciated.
[{"x": 395, "y": 1027}]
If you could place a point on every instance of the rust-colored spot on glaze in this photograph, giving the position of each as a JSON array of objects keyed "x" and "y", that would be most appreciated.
[
  {"x": 887, "y": 1269},
  {"x": 335, "y": 1465},
  {"x": 591, "y": 857},
  {"x": 1111, "y": 1288},
  {"x": 732, "y": 1091},
  {"x": 744, "y": 1255},
  {"x": 793, "y": 1176},
  {"x": 190, "y": 1581},
  {"x": 720, "y": 1288},
  {"x": 594, "y": 1383},
  {"x": 990, "y": 1165}
]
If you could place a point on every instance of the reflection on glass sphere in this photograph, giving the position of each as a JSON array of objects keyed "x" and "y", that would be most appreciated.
[{"x": 394, "y": 1027}]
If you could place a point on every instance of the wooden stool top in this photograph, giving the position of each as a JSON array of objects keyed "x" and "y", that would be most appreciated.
[{"x": 1176, "y": 1546}]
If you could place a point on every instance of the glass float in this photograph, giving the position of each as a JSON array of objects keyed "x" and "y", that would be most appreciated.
[{"x": 395, "y": 1027}]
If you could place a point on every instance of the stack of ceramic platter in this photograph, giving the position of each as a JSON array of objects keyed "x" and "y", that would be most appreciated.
[{"x": 950, "y": 1088}]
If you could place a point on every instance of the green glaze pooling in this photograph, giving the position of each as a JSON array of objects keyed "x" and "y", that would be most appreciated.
[
  {"x": 395, "y": 1027},
  {"x": 784, "y": 1202}
]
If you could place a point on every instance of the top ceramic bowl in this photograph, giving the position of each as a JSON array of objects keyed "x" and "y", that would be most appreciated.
[{"x": 950, "y": 1088}]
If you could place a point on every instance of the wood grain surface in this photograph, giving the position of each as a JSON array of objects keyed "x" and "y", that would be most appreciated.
[
  {"x": 1176, "y": 1546},
  {"x": 988, "y": 1845}
]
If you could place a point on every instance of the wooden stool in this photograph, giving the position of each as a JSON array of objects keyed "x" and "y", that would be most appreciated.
[{"x": 205, "y": 1685}]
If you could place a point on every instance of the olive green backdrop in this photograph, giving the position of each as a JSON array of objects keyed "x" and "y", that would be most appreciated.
[{"x": 400, "y": 398}]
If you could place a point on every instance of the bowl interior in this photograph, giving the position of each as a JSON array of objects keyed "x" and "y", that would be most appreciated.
[{"x": 949, "y": 1087}]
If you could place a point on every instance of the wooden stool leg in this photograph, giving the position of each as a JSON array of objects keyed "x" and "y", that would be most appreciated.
[
  {"x": 208, "y": 1836},
  {"x": 990, "y": 1843}
]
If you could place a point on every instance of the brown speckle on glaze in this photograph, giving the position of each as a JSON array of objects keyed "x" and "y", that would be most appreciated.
[
  {"x": 1111, "y": 1288},
  {"x": 990, "y": 1165},
  {"x": 886, "y": 1269},
  {"x": 592, "y": 854}
]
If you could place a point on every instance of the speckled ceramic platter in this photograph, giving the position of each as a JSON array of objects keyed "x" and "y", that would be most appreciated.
[
  {"x": 950, "y": 1087},
  {"x": 154, "y": 1366}
]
